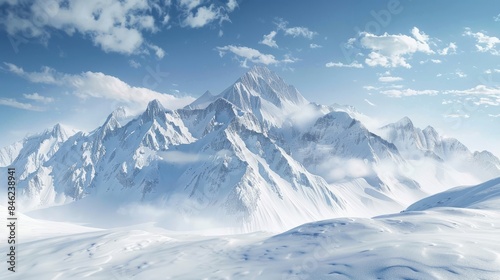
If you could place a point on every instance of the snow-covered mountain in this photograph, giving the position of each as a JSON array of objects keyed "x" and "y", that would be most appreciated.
[
  {"x": 415, "y": 144},
  {"x": 256, "y": 156}
]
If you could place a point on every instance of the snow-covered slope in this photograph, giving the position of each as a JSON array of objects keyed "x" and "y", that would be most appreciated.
[
  {"x": 483, "y": 196},
  {"x": 437, "y": 243}
]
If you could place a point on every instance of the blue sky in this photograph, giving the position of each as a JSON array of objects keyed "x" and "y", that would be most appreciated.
[{"x": 75, "y": 61}]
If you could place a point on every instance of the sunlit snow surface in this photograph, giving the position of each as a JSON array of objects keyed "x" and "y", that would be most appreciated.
[{"x": 457, "y": 240}]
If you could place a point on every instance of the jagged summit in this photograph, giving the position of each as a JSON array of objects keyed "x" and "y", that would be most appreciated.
[
  {"x": 261, "y": 92},
  {"x": 404, "y": 122},
  {"x": 60, "y": 132},
  {"x": 154, "y": 109},
  {"x": 267, "y": 84},
  {"x": 258, "y": 85}
]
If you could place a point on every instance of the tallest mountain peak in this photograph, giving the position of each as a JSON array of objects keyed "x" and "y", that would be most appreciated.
[
  {"x": 262, "y": 72},
  {"x": 258, "y": 69},
  {"x": 261, "y": 82}
]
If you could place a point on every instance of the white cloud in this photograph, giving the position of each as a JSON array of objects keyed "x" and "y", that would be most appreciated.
[
  {"x": 369, "y": 102},
  {"x": 370, "y": 88},
  {"x": 98, "y": 85},
  {"x": 134, "y": 64},
  {"x": 315, "y": 46},
  {"x": 289, "y": 59},
  {"x": 350, "y": 42},
  {"x": 113, "y": 26},
  {"x": 389, "y": 79},
  {"x": 159, "y": 52},
  {"x": 477, "y": 90},
  {"x": 300, "y": 31},
  {"x": 337, "y": 168},
  {"x": 203, "y": 16},
  {"x": 450, "y": 49},
  {"x": 436, "y": 61},
  {"x": 39, "y": 98},
  {"x": 166, "y": 19},
  {"x": 19, "y": 105},
  {"x": 484, "y": 43},
  {"x": 395, "y": 86},
  {"x": 497, "y": 18},
  {"x": 231, "y": 5},
  {"x": 176, "y": 157},
  {"x": 253, "y": 55},
  {"x": 456, "y": 115},
  {"x": 268, "y": 40},
  {"x": 460, "y": 74},
  {"x": 297, "y": 31},
  {"x": 494, "y": 116},
  {"x": 481, "y": 94},
  {"x": 354, "y": 64},
  {"x": 408, "y": 92},
  {"x": 393, "y": 50},
  {"x": 46, "y": 76},
  {"x": 190, "y": 4},
  {"x": 490, "y": 71}
]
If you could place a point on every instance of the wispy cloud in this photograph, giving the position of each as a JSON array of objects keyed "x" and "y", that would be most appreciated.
[
  {"x": 315, "y": 46},
  {"x": 253, "y": 55},
  {"x": 95, "y": 85},
  {"x": 39, "y": 98},
  {"x": 389, "y": 79},
  {"x": 477, "y": 90},
  {"x": 460, "y": 74},
  {"x": 484, "y": 43},
  {"x": 46, "y": 76},
  {"x": 296, "y": 31},
  {"x": 268, "y": 40},
  {"x": 203, "y": 16},
  {"x": 369, "y": 102},
  {"x": 354, "y": 64},
  {"x": 435, "y": 61},
  {"x": 450, "y": 49},
  {"x": 478, "y": 95},
  {"x": 19, "y": 105},
  {"x": 159, "y": 52},
  {"x": 134, "y": 64},
  {"x": 491, "y": 71},
  {"x": 407, "y": 92},
  {"x": 456, "y": 115}
]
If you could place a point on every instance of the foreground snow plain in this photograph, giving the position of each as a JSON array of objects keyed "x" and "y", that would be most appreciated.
[{"x": 451, "y": 235}]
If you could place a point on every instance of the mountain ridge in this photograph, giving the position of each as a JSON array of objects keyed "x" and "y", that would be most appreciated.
[{"x": 257, "y": 156}]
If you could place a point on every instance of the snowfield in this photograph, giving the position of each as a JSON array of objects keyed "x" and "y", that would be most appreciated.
[{"x": 458, "y": 240}]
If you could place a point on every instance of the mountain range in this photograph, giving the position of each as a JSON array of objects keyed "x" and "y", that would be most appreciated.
[{"x": 257, "y": 156}]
